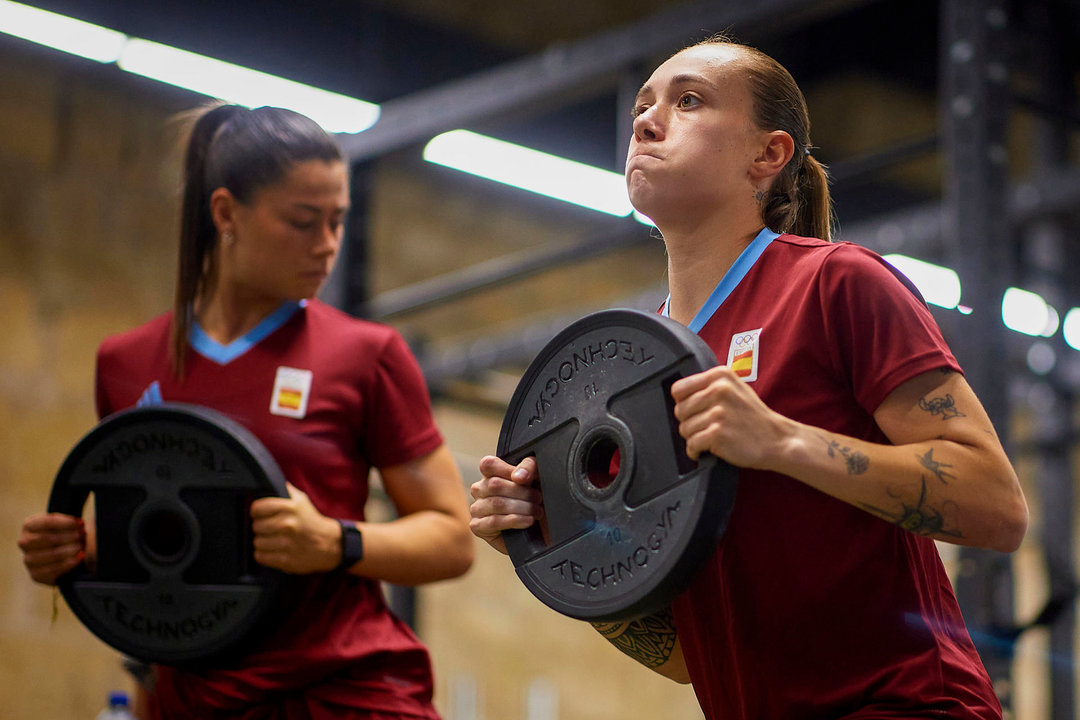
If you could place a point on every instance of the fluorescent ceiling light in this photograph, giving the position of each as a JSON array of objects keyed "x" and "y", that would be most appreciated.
[
  {"x": 1071, "y": 328},
  {"x": 60, "y": 32},
  {"x": 531, "y": 170},
  {"x": 939, "y": 285},
  {"x": 243, "y": 86},
  {"x": 1026, "y": 312},
  {"x": 1053, "y": 321},
  {"x": 216, "y": 78}
]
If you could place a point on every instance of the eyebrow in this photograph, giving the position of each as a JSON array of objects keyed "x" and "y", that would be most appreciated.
[
  {"x": 317, "y": 209},
  {"x": 680, "y": 79}
]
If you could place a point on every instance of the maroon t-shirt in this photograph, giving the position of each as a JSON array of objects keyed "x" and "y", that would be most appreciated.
[
  {"x": 330, "y": 397},
  {"x": 812, "y": 608}
]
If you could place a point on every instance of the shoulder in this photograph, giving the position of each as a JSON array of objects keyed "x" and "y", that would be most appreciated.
[
  {"x": 801, "y": 255},
  {"x": 326, "y": 317},
  {"x": 838, "y": 262},
  {"x": 821, "y": 251},
  {"x": 138, "y": 338},
  {"x": 350, "y": 333}
]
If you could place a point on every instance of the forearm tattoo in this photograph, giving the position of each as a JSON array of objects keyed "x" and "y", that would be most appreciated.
[
  {"x": 921, "y": 519},
  {"x": 649, "y": 640},
  {"x": 943, "y": 406},
  {"x": 938, "y": 468},
  {"x": 857, "y": 463}
]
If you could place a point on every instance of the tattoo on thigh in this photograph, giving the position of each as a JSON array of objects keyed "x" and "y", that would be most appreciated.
[
  {"x": 857, "y": 463},
  {"x": 649, "y": 640},
  {"x": 943, "y": 406}
]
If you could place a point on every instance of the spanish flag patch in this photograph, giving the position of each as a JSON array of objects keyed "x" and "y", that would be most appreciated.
[
  {"x": 291, "y": 390},
  {"x": 745, "y": 354}
]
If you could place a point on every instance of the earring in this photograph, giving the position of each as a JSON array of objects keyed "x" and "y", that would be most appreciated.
[{"x": 227, "y": 238}]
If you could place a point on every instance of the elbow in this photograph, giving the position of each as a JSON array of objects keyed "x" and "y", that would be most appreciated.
[
  {"x": 460, "y": 554},
  {"x": 466, "y": 554},
  {"x": 1012, "y": 526}
]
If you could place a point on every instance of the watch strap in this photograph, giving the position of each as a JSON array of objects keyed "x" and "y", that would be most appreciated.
[{"x": 352, "y": 544}]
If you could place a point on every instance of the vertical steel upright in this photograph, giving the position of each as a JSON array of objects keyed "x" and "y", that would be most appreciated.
[
  {"x": 973, "y": 103},
  {"x": 355, "y": 287},
  {"x": 1048, "y": 245}
]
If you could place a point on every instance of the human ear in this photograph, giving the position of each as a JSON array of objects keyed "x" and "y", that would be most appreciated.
[
  {"x": 223, "y": 210},
  {"x": 774, "y": 153}
]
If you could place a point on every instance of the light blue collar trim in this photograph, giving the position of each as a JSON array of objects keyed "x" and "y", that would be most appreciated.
[
  {"x": 224, "y": 354},
  {"x": 731, "y": 279}
]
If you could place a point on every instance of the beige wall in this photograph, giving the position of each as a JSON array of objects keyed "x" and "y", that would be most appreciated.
[{"x": 85, "y": 218}]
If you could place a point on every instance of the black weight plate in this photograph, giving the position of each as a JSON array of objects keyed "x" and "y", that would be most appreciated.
[
  {"x": 175, "y": 580},
  {"x": 617, "y": 548}
]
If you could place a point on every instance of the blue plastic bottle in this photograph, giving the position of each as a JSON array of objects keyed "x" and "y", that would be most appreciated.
[{"x": 117, "y": 708}]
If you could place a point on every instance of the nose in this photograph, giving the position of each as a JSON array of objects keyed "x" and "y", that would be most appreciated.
[
  {"x": 329, "y": 239},
  {"x": 648, "y": 125}
]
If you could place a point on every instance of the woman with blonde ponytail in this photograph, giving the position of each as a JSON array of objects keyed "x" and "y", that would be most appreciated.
[{"x": 858, "y": 440}]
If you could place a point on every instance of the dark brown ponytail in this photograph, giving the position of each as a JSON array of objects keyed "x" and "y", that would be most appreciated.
[
  {"x": 798, "y": 201},
  {"x": 197, "y": 232},
  {"x": 242, "y": 150}
]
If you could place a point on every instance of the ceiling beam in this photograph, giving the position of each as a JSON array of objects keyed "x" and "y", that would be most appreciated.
[{"x": 565, "y": 69}]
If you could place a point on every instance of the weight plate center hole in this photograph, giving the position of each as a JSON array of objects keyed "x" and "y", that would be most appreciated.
[
  {"x": 164, "y": 535},
  {"x": 602, "y": 462}
]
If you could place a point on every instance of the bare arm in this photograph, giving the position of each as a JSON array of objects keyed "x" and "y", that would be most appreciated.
[
  {"x": 946, "y": 476},
  {"x": 428, "y": 541}
]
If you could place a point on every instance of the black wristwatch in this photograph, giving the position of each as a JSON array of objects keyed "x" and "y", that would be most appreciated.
[{"x": 352, "y": 544}]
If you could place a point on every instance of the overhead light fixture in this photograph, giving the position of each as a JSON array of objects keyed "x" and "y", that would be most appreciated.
[
  {"x": 205, "y": 75},
  {"x": 60, "y": 32},
  {"x": 1026, "y": 312},
  {"x": 939, "y": 285},
  {"x": 532, "y": 170},
  {"x": 244, "y": 86},
  {"x": 1071, "y": 328}
]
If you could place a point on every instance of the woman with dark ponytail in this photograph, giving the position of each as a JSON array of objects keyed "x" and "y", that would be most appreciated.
[
  {"x": 858, "y": 440},
  {"x": 264, "y": 202}
]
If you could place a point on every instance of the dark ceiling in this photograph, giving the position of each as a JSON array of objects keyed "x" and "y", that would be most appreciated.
[
  {"x": 386, "y": 50},
  {"x": 380, "y": 50}
]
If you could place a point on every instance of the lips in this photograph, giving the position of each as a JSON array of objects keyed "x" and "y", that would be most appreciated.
[{"x": 639, "y": 158}]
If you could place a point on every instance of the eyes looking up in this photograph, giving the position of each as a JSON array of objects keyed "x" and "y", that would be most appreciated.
[{"x": 686, "y": 101}]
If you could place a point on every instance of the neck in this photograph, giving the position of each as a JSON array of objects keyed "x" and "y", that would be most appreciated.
[
  {"x": 226, "y": 316},
  {"x": 697, "y": 261}
]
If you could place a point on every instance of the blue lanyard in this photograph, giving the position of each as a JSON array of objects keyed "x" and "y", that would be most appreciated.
[{"x": 731, "y": 279}]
